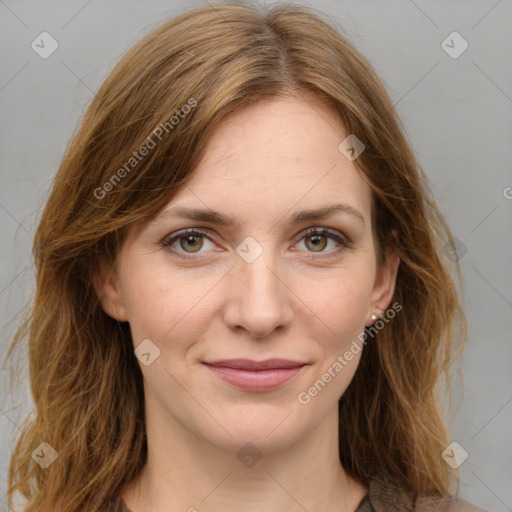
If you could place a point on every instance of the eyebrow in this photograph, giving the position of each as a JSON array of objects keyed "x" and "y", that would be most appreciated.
[{"x": 302, "y": 216}]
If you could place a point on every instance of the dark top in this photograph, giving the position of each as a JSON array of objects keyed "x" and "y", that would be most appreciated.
[{"x": 384, "y": 495}]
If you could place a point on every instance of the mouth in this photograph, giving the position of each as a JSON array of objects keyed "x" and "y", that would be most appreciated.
[{"x": 256, "y": 375}]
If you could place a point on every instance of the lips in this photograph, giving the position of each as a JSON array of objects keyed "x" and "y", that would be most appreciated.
[
  {"x": 255, "y": 375},
  {"x": 248, "y": 364}
]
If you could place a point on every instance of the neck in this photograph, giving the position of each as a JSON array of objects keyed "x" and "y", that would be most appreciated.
[{"x": 187, "y": 473}]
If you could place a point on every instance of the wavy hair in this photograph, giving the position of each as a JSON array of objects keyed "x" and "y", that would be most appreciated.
[{"x": 85, "y": 381}]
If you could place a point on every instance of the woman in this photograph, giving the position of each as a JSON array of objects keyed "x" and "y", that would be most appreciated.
[{"x": 242, "y": 297}]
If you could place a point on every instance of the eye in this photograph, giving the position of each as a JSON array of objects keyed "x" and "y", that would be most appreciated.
[
  {"x": 188, "y": 241},
  {"x": 317, "y": 239}
]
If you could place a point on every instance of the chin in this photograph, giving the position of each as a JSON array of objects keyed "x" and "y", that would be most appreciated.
[{"x": 268, "y": 431}]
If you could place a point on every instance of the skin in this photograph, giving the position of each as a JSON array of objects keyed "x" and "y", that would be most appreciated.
[{"x": 264, "y": 164}]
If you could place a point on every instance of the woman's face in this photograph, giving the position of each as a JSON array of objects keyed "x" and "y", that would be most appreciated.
[{"x": 258, "y": 286}]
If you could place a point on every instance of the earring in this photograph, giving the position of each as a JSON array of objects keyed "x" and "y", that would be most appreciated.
[{"x": 374, "y": 317}]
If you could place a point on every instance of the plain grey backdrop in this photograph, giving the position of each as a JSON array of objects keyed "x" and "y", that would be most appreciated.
[{"x": 456, "y": 103}]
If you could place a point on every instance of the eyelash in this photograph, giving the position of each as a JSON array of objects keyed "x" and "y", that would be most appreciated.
[{"x": 344, "y": 241}]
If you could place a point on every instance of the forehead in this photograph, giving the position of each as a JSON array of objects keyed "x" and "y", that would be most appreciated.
[
  {"x": 280, "y": 152},
  {"x": 284, "y": 129}
]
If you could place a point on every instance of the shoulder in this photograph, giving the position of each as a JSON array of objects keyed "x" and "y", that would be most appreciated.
[
  {"x": 464, "y": 506},
  {"x": 387, "y": 494},
  {"x": 445, "y": 503}
]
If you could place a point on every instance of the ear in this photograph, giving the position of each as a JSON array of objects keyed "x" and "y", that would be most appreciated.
[
  {"x": 106, "y": 285},
  {"x": 385, "y": 282}
]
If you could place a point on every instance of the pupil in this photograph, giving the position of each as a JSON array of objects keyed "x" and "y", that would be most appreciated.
[
  {"x": 316, "y": 240},
  {"x": 192, "y": 240}
]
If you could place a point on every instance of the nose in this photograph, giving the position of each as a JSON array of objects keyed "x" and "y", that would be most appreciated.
[{"x": 259, "y": 298}]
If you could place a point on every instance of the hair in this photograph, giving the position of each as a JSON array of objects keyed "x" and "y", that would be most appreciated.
[{"x": 85, "y": 382}]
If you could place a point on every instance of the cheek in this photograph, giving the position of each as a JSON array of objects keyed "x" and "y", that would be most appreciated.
[
  {"x": 343, "y": 311},
  {"x": 163, "y": 304},
  {"x": 340, "y": 302},
  {"x": 147, "y": 307}
]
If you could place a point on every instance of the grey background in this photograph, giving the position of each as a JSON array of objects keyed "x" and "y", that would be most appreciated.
[{"x": 458, "y": 117}]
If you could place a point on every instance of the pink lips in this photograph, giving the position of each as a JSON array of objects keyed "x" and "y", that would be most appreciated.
[{"x": 256, "y": 375}]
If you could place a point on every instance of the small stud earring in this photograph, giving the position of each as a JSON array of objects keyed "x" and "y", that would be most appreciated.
[{"x": 374, "y": 317}]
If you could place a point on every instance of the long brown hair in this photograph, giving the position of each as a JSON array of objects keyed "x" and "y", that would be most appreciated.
[{"x": 172, "y": 89}]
